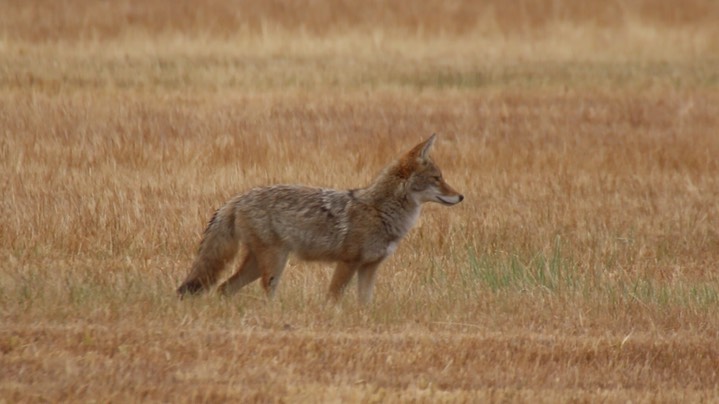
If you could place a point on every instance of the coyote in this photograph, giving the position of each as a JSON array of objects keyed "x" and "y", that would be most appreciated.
[{"x": 357, "y": 228}]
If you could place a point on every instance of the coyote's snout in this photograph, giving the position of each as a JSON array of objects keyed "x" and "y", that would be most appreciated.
[{"x": 357, "y": 228}]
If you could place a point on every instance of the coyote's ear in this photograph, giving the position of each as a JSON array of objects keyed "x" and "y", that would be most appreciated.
[
  {"x": 427, "y": 145},
  {"x": 422, "y": 149}
]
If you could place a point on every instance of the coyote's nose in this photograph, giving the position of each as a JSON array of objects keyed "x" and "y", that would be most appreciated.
[{"x": 461, "y": 198}]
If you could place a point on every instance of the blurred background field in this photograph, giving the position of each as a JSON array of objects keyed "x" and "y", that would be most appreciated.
[{"x": 582, "y": 264}]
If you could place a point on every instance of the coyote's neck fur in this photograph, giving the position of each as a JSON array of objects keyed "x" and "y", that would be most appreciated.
[{"x": 390, "y": 196}]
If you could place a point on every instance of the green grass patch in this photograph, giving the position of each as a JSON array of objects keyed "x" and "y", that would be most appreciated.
[
  {"x": 554, "y": 271},
  {"x": 551, "y": 271}
]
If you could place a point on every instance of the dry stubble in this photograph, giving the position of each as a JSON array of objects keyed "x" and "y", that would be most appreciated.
[{"x": 580, "y": 266}]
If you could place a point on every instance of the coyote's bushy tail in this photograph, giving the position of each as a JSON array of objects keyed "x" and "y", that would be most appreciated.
[{"x": 219, "y": 245}]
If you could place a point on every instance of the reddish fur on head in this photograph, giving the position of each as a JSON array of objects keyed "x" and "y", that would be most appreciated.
[{"x": 408, "y": 163}]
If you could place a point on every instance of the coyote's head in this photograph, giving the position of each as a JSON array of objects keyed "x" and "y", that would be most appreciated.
[{"x": 424, "y": 179}]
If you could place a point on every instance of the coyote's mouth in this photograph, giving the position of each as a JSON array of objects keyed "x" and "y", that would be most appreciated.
[{"x": 452, "y": 200}]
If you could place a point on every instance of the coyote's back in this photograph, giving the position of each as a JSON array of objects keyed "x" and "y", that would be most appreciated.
[
  {"x": 311, "y": 222},
  {"x": 356, "y": 228}
]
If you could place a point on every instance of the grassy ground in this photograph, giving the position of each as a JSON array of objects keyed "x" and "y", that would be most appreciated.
[{"x": 581, "y": 265}]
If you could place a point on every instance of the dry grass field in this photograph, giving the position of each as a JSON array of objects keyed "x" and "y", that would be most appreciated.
[{"x": 583, "y": 264}]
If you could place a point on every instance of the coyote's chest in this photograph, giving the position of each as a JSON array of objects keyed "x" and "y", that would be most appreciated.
[
  {"x": 391, "y": 248},
  {"x": 398, "y": 228}
]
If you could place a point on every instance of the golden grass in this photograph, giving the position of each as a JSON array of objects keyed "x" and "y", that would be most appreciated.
[{"x": 581, "y": 265}]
